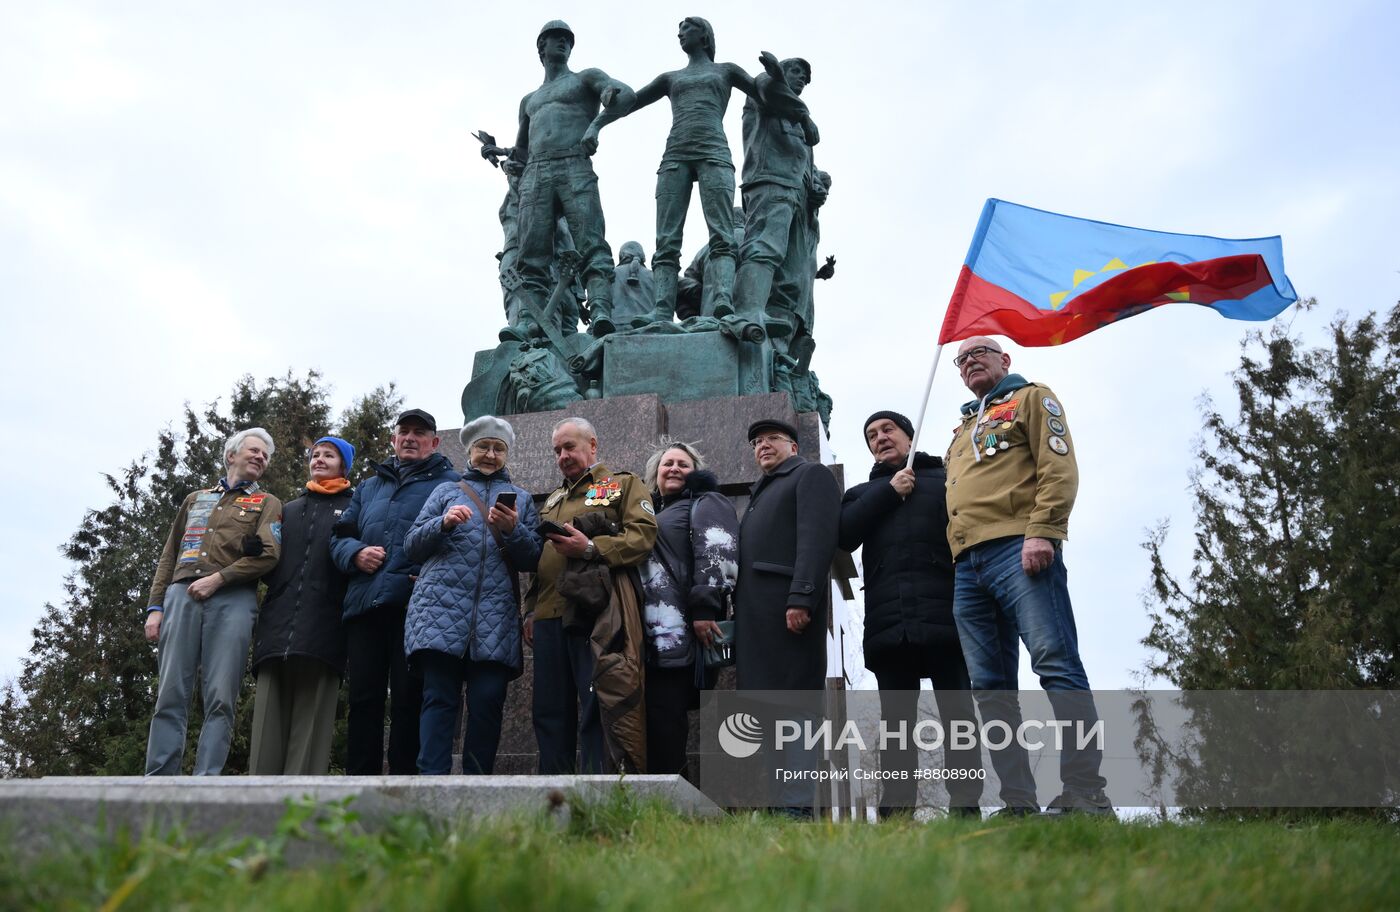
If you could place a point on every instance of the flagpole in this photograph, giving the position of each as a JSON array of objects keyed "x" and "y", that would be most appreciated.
[{"x": 919, "y": 419}]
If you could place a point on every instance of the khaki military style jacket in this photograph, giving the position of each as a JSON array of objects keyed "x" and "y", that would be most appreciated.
[
  {"x": 214, "y": 532},
  {"x": 626, "y": 501},
  {"x": 1012, "y": 472}
]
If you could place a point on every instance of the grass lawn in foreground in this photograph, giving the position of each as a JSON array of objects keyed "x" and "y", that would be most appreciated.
[{"x": 623, "y": 855}]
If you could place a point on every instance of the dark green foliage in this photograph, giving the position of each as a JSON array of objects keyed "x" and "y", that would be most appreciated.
[
  {"x": 82, "y": 702},
  {"x": 369, "y": 425},
  {"x": 1296, "y": 576},
  {"x": 1296, "y": 583}
]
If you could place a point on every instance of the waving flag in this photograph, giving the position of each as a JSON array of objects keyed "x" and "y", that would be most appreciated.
[{"x": 1043, "y": 279}]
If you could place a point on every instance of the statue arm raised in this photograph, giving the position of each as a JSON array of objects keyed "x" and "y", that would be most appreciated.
[
  {"x": 741, "y": 80},
  {"x": 653, "y": 91},
  {"x": 778, "y": 99},
  {"x": 617, "y": 100}
]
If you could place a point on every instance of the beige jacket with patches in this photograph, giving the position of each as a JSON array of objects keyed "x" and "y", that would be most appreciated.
[
  {"x": 628, "y": 504},
  {"x": 1026, "y": 486}
]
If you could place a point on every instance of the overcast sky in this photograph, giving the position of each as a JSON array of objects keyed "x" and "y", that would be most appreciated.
[{"x": 190, "y": 192}]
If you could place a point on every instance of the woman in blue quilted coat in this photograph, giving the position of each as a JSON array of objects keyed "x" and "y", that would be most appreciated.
[{"x": 463, "y": 623}]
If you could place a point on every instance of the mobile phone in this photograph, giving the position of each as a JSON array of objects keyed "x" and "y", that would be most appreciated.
[
  {"x": 550, "y": 527},
  {"x": 506, "y": 499}
]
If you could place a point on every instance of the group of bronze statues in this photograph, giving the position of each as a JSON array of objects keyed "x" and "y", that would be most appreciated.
[{"x": 752, "y": 281}]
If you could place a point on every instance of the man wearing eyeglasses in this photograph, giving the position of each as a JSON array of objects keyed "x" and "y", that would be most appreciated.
[
  {"x": 787, "y": 539},
  {"x": 1012, "y": 479}
]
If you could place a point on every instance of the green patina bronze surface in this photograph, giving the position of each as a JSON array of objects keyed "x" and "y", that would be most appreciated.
[{"x": 746, "y": 302}]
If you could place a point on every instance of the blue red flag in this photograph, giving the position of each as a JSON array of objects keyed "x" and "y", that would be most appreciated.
[{"x": 1043, "y": 279}]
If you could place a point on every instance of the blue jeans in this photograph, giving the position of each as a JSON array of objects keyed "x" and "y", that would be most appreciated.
[
  {"x": 994, "y": 603},
  {"x": 443, "y": 676}
]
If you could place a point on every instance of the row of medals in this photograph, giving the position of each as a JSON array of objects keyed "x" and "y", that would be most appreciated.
[{"x": 992, "y": 444}]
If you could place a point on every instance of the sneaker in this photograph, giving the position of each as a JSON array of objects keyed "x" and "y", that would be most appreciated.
[
  {"x": 1017, "y": 810},
  {"x": 1093, "y": 804}
]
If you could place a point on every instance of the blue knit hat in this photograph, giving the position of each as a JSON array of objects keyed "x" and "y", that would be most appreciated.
[{"x": 347, "y": 451}]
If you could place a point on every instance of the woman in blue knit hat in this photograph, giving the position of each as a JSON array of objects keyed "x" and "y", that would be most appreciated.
[{"x": 299, "y": 644}]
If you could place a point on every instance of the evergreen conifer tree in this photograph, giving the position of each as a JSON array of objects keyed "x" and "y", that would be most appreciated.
[{"x": 82, "y": 702}]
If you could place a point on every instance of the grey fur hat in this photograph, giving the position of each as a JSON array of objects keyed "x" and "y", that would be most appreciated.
[{"x": 487, "y": 426}]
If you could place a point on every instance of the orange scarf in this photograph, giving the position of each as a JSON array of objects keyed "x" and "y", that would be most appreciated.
[{"x": 334, "y": 486}]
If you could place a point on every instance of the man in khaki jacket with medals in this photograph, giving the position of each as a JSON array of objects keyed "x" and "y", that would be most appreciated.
[
  {"x": 565, "y": 709},
  {"x": 1012, "y": 480}
]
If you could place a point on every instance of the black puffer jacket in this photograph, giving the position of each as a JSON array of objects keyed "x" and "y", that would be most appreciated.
[
  {"x": 908, "y": 567},
  {"x": 301, "y": 614}
]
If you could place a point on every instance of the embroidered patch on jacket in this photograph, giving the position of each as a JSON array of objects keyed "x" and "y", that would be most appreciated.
[
  {"x": 196, "y": 525},
  {"x": 250, "y": 500},
  {"x": 1058, "y": 445},
  {"x": 646, "y": 505}
]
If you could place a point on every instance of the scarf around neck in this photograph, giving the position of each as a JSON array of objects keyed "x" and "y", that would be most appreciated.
[
  {"x": 331, "y": 486},
  {"x": 1009, "y": 383}
]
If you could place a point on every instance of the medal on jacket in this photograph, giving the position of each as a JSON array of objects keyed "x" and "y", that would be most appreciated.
[
  {"x": 601, "y": 493},
  {"x": 991, "y": 444}
]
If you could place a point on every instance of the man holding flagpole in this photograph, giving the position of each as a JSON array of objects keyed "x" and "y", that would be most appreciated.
[{"x": 1012, "y": 480}]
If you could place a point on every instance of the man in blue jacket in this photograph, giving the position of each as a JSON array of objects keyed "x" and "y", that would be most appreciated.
[{"x": 368, "y": 545}]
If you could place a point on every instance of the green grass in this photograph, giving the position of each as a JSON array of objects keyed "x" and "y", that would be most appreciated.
[{"x": 626, "y": 855}]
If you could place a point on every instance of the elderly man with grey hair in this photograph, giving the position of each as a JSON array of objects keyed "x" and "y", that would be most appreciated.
[
  {"x": 203, "y": 602},
  {"x": 566, "y": 710}
]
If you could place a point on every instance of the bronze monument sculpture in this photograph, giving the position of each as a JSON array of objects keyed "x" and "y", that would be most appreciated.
[{"x": 745, "y": 304}]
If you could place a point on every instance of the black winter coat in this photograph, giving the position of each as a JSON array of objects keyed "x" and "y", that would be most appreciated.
[
  {"x": 908, "y": 567},
  {"x": 786, "y": 543},
  {"x": 301, "y": 614}
]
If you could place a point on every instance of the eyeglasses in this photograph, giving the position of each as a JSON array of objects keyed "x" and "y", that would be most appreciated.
[
  {"x": 768, "y": 438},
  {"x": 481, "y": 446},
  {"x": 975, "y": 352}
]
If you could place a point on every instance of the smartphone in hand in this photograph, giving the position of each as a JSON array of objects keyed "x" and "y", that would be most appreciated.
[
  {"x": 506, "y": 499},
  {"x": 550, "y": 527}
]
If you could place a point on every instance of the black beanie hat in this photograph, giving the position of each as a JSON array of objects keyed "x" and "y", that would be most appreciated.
[{"x": 903, "y": 423}]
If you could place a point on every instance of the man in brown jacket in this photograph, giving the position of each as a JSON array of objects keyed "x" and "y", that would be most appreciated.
[
  {"x": 1012, "y": 479},
  {"x": 565, "y": 707},
  {"x": 203, "y": 602}
]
